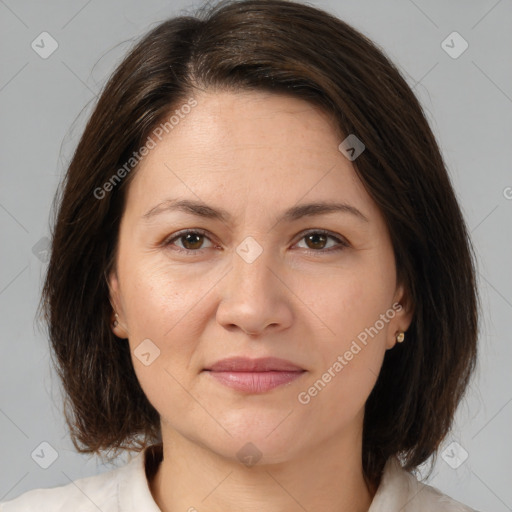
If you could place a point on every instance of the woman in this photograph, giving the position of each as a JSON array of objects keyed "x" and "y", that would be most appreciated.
[{"x": 260, "y": 278}]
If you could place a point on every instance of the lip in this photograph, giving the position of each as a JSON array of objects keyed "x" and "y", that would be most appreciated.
[
  {"x": 254, "y": 375},
  {"x": 246, "y": 364}
]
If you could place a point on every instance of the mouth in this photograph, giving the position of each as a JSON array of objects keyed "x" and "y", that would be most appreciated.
[{"x": 254, "y": 375}]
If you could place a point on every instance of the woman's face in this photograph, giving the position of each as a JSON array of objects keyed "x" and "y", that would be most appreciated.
[{"x": 252, "y": 281}]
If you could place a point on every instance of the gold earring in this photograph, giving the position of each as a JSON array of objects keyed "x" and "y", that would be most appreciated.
[{"x": 400, "y": 337}]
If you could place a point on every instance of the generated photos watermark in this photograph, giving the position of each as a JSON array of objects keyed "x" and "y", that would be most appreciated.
[
  {"x": 134, "y": 160},
  {"x": 304, "y": 397}
]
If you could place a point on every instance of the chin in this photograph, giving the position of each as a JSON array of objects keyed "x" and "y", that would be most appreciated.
[{"x": 257, "y": 436}]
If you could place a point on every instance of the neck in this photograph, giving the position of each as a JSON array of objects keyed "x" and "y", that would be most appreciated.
[{"x": 329, "y": 477}]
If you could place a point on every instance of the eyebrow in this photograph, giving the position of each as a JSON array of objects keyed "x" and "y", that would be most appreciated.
[{"x": 201, "y": 209}]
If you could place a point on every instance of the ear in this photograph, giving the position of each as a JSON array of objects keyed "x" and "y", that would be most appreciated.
[
  {"x": 404, "y": 311},
  {"x": 118, "y": 329}
]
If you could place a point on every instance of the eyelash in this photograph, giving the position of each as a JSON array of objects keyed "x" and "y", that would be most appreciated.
[{"x": 342, "y": 243}]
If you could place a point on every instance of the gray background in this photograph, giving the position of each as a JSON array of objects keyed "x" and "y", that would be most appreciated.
[{"x": 468, "y": 101}]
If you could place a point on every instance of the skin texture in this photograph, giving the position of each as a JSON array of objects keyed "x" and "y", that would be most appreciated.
[{"x": 255, "y": 155}]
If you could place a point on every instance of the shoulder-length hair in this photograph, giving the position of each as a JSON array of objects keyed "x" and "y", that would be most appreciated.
[{"x": 296, "y": 49}]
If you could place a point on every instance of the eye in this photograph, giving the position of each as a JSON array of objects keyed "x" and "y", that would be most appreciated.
[
  {"x": 316, "y": 241},
  {"x": 191, "y": 240}
]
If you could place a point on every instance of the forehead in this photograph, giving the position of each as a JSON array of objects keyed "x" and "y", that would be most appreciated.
[
  {"x": 238, "y": 146},
  {"x": 257, "y": 119}
]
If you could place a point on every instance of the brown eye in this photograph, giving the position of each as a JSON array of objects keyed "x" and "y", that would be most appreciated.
[
  {"x": 317, "y": 241},
  {"x": 190, "y": 240}
]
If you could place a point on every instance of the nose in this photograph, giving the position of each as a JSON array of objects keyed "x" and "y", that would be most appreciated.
[{"x": 254, "y": 296}]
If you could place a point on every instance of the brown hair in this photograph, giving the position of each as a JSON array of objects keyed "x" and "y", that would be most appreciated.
[{"x": 292, "y": 48}]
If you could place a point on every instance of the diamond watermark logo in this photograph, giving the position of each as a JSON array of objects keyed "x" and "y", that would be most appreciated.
[
  {"x": 41, "y": 250},
  {"x": 44, "y": 455},
  {"x": 454, "y": 45},
  {"x": 454, "y": 455},
  {"x": 44, "y": 45},
  {"x": 249, "y": 249},
  {"x": 351, "y": 147},
  {"x": 146, "y": 352},
  {"x": 249, "y": 454}
]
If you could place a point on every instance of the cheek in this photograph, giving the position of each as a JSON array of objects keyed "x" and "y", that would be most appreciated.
[
  {"x": 159, "y": 297},
  {"x": 355, "y": 300},
  {"x": 357, "y": 311},
  {"x": 337, "y": 391},
  {"x": 164, "y": 315}
]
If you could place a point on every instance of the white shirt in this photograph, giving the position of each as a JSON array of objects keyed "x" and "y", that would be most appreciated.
[{"x": 126, "y": 489}]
